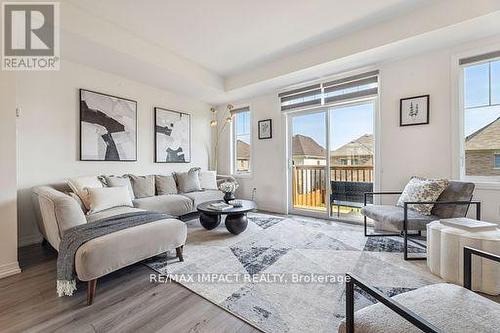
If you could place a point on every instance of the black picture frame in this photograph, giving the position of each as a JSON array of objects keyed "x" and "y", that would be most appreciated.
[
  {"x": 158, "y": 109},
  {"x": 427, "y": 114},
  {"x": 261, "y": 136},
  {"x": 81, "y": 121}
]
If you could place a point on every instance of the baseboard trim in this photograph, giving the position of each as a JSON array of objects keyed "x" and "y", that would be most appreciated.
[
  {"x": 270, "y": 209},
  {"x": 30, "y": 240},
  {"x": 9, "y": 269}
]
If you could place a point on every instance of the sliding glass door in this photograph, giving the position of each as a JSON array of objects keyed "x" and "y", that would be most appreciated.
[
  {"x": 351, "y": 147},
  {"x": 308, "y": 159},
  {"x": 331, "y": 159}
]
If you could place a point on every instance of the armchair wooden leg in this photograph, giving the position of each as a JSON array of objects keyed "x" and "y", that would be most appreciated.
[
  {"x": 91, "y": 287},
  {"x": 179, "y": 253}
]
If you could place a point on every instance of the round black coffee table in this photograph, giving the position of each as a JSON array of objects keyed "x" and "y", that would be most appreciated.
[{"x": 236, "y": 219}]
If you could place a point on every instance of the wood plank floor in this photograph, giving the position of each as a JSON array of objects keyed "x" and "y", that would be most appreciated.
[{"x": 126, "y": 302}]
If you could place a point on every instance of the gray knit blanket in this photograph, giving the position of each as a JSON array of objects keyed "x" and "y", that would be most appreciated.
[{"x": 75, "y": 237}]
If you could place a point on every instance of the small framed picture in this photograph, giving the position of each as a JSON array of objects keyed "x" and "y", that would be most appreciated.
[
  {"x": 265, "y": 129},
  {"x": 414, "y": 111}
]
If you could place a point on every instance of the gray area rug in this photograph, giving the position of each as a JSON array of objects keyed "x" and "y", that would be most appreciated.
[{"x": 269, "y": 274}]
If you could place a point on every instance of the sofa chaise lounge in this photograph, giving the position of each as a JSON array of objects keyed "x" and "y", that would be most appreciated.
[{"x": 57, "y": 211}]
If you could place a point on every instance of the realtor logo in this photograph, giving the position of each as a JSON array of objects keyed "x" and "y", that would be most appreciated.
[{"x": 30, "y": 38}]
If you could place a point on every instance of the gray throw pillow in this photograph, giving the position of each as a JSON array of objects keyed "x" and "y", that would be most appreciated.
[
  {"x": 143, "y": 186},
  {"x": 117, "y": 181},
  {"x": 165, "y": 185},
  {"x": 188, "y": 181}
]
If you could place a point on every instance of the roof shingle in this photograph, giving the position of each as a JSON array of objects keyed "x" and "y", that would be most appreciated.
[{"x": 306, "y": 146}]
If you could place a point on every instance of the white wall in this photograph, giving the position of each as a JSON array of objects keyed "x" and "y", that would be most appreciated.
[
  {"x": 404, "y": 151},
  {"x": 415, "y": 150},
  {"x": 49, "y": 131},
  {"x": 268, "y": 156},
  {"x": 8, "y": 195}
]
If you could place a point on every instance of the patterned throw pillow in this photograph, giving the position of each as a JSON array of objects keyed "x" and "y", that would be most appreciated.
[{"x": 422, "y": 189}]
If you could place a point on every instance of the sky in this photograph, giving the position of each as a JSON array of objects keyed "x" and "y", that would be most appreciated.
[
  {"x": 242, "y": 123},
  {"x": 348, "y": 123},
  {"x": 476, "y": 89}
]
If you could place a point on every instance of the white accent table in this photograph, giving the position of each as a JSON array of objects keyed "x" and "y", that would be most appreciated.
[{"x": 445, "y": 255}]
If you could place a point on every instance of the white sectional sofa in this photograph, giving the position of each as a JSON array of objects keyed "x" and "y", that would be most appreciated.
[{"x": 58, "y": 210}]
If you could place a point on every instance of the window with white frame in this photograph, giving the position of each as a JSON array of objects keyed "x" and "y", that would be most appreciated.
[
  {"x": 242, "y": 140},
  {"x": 481, "y": 104},
  {"x": 497, "y": 161}
]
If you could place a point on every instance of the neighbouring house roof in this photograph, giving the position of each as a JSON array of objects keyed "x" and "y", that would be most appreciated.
[
  {"x": 486, "y": 138},
  {"x": 306, "y": 146},
  {"x": 360, "y": 146},
  {"x": 243, "y": 150}
]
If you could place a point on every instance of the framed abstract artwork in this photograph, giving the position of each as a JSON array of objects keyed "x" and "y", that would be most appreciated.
[
  {"x": 172, "y": 136},
  {"x": 108, "y": 127},
  {"x": 414, "y": 110},
  {"x": 265, "y": 129}
]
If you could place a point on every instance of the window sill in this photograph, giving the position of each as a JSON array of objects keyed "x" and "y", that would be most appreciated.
[
  {"x": 481, "y": 184},
  {"x": 243, "y": 175},
  {"x": 492, "y": 186}
]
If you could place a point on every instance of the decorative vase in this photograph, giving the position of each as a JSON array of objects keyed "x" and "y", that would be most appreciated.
[{"x": 228, "y": 196}]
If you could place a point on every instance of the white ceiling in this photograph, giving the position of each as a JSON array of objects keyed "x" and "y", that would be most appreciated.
[
  {"x": 220, "y": 51},
  {"x": 230, "y": 36}
]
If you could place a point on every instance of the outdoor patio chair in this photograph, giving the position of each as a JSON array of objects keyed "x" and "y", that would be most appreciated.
[{"x": 349, "y": 194}]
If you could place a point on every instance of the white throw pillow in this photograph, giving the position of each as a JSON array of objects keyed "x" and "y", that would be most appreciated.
[
  {"x": 117, "y": 181},
  {"x": 79, "y": 185},
  {"x": 108, "y": 197},
  {"x": 78, "y": 201},
  {"x": 208, "y": 180},
  {"x": 422, "y": 189}
]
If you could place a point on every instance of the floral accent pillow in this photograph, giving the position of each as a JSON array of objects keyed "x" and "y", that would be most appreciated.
[{"x": 422, "y": 189}]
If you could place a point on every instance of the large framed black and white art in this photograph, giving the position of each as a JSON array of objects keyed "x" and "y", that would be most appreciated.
[
  {"x": 172, "y": 136},
  {"x": 108, "y": 127}
]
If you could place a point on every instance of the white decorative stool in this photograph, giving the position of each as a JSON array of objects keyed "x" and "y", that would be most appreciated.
[{"x": 445, "y": 252}]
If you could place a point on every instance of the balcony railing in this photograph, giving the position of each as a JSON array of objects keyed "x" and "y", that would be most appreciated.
[
  {"x": 352, "y": 173},
  {"x": 309, "y": 182}
]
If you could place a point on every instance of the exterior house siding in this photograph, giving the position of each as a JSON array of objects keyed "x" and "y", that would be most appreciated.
[{"x": 481, "y": 163}]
